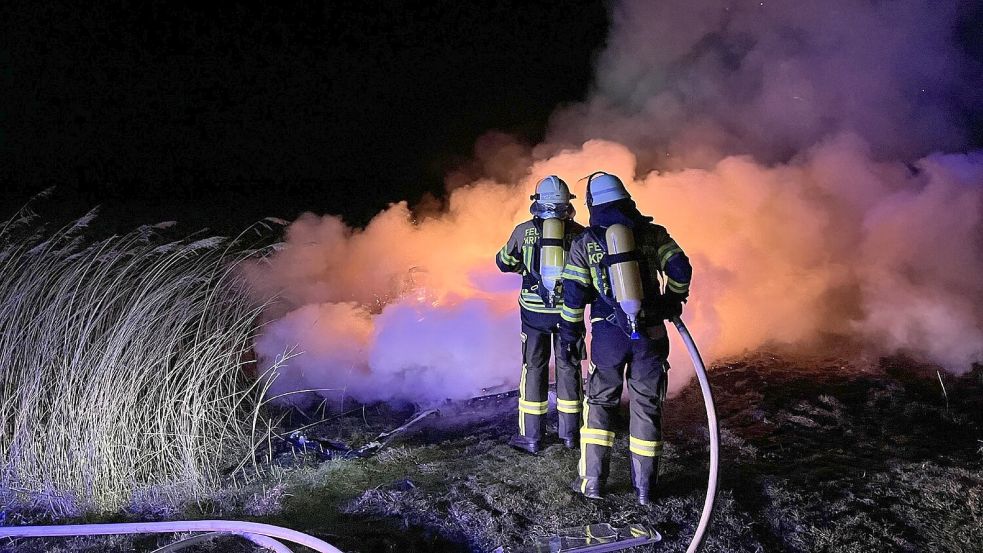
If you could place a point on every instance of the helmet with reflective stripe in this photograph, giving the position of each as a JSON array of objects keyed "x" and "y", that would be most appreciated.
[
  {"x": 552, "y": 190},
  {"x": 604, "y": 188}
]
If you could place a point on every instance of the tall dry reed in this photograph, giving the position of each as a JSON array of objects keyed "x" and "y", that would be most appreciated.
[{"x": 124, "y": 364}]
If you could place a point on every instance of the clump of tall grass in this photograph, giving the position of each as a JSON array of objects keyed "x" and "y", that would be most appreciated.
[{"x": 124, "y": 364}]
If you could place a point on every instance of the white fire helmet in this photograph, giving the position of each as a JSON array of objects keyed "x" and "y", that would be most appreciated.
[
  {"x": 604, "y": 188},
  {"x": 552, "y": 190}
]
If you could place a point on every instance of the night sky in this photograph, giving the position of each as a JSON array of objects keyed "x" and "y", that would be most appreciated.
[{"x": 218, "y": 117}]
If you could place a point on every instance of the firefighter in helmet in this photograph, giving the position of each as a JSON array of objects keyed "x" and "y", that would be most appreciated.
[
  {"x": 537, "y": 251},
  {"x": 628, "y": 334}
]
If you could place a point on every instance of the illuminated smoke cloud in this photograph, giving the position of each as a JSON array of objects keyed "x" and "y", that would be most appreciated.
[
  {"x": 792, "y": 149},
  {"x": 684, "y": 83}
]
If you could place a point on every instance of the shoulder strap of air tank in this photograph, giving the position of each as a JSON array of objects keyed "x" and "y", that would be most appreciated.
[
  {"x": 539, "y": 290},
  {"x": 602, "y": 242},
  {"x": 535, "y": 247},
  {"x": 612, "y": 258}
]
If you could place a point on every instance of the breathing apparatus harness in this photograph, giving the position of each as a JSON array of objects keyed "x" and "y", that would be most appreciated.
[
  {"x": 542, "y": 211},
  {"x": 550, "y": 299},
  {"x": 617, "y": 317}
]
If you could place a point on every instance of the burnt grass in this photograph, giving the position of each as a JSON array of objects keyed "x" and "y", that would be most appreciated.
[{"x": 818, "y": 454}]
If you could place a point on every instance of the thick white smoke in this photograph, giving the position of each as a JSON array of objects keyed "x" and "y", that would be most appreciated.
[{"x": 787, "y": 147}]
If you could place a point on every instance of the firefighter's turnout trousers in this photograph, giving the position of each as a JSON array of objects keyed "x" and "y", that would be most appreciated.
[
  {"x": 540, "y": 326},
  {"x": 534, "y": 386},
  {"x": 615, "y": 358}
]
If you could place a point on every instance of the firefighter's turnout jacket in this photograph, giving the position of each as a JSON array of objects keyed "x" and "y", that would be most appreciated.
[
  {"x": 586, "y": 281},
  {"x": 540, "y": 315}
]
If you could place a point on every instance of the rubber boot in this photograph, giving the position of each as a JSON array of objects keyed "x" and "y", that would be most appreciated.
[
  {"x": 645, "y": 482},
  {"x": 525, "y": 444},
  {"x": 572, "y": 442},
  {"x": 591, "y": 488}
]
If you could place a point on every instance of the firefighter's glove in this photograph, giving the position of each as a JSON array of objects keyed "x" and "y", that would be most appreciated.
[{"x": 672, "y": 305}]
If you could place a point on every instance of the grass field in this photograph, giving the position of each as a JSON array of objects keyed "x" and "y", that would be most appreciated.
[{"x": 819, "y": 454}]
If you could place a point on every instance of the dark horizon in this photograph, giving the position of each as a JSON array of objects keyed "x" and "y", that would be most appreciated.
[{"x": 218, "y": 117}]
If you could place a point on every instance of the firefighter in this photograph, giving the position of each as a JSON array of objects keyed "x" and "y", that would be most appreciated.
[
  {"x": 537, "y": 250},
  {"x": 632, "y": 346}
]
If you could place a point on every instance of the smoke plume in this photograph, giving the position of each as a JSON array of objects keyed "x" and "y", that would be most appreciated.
[{"x": 811, "y": 158}]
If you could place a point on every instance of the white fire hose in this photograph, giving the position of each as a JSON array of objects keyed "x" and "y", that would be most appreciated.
[
  {"x": 261, "y": 534},
  {"x": 701, "y": 375}
]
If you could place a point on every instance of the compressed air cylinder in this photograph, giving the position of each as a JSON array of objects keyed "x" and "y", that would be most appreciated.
[
  {"x": 552, "y": 256},
  {"x": 626, "y": 279}
]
